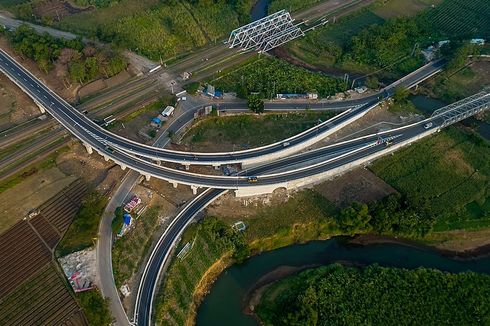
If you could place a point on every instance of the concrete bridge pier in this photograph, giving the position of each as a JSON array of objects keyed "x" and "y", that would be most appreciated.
[
  {"x": 41, "y": 107},
  {"x": 147, "y": 177},
  {"x": 123, "y": 167},
  {"x": 89, "y": 148},
  {"x": 106, "y": 158},
  {"x": 217, "y": 167},
  {"x": 175, "y": 184},
  {"x": 157, "y": 162},
  {"x": 194, "y": 189},
  {"x": 187, "y": 167}
]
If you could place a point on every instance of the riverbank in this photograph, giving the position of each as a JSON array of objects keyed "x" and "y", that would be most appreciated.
[
  {"x": 235, "y": 294},
  {"x": 463, "y": 253},
  {"x": 254, "y": 294}
]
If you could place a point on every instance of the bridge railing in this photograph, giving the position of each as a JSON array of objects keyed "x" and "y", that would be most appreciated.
[{"x": 463, "y": 109}]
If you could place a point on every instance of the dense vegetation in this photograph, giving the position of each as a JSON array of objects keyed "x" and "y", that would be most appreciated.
[
  {"x": 337, "y": 295},
  {"x": 290, "y": 5},
  {"x": 211, "y": 239},
  {"x": 83, "y": 231},
  {"x": 445, "y": 177},
  {"x": 159, "y": 30},
  {"x": 82, "y": 62},
  {"x": 95, "y": 307},
  {"x": 272, "y": 76},
  {"x": 366, "y": 40}
]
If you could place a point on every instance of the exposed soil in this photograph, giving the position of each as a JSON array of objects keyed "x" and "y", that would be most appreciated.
[
  {"x": 230, "y": 207},
  {"x": 15, "y": 106},
  {"x": 457, "y": 252},
  {"x": 18, "y": 201},
  {"x": 53, "y": 79},
  {"x": 284, "y": 54},
  {"x": 359, "y": 185},
  {"x": 91, "y": 168}
]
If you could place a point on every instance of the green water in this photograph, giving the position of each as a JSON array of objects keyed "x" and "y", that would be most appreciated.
[
  {"x": 223, "y": 305},
  {"x": 427, "y": 105}
]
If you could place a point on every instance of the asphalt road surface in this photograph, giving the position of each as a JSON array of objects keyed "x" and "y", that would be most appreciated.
[{"x": 86, "y": 130}]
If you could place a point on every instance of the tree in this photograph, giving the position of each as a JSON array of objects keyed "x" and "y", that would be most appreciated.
[
  {"x": 401, "y": 94},
  {"x": 255, "y": 104},
  {"x": 354, "y": 218},
  {"x": 372, "y": 82}
]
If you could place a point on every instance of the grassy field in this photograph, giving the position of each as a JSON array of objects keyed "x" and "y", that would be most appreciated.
[
  {"x": 245, "y": 131},
  {"x": 129, "y": 251},
  {"x": 82, "y": 233},
  {"x": 48, "y": 162},
  {"x": 464, "y": 83},
  {"x": 446, "y": 176}
]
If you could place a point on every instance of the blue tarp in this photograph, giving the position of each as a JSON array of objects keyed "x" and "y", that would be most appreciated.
[
  {"x": 156, "y": 120},
  {"x": 127, "y": 219}
]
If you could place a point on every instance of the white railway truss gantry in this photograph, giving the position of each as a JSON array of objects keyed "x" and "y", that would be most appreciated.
[
  {"x": 266, "y": 33},
  {"x": 465, "y": 108}
]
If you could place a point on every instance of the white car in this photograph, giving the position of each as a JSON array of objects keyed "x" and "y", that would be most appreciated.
[{"x": 428, "y": 125}]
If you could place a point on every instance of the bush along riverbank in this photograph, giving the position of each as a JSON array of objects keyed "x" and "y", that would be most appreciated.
[{"x": 339, "y": 295}]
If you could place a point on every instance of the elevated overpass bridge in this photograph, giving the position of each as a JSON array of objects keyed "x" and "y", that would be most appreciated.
[{"x": 106, "y": 143}]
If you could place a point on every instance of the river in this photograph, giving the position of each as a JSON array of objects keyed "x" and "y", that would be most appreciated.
[
  {"x": 259, "y": 10},
  {"x": 428, "y": 105},
  {"x": 223, "y": 305}
]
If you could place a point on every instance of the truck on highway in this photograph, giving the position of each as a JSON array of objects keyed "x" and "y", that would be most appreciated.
[{"x": 253, "y": 179}]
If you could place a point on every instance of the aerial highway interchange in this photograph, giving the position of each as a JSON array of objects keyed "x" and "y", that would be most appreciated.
[{"x": 286, "y": 164}]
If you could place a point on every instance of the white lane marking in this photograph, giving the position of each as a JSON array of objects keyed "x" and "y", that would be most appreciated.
[{"x": 45, "y": 97}]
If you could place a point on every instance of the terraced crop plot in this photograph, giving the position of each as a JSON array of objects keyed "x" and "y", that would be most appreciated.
[
  {"x": 22, "y": 254},
  {"x": 61, "y": 209},
  {"x": 461, "y": 18},
  {"x": 43, "y": 300}
]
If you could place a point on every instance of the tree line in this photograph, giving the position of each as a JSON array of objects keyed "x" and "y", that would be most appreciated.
[{"x": 82, "y": 62}]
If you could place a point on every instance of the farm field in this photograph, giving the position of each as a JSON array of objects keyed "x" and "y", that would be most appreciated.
[
  {"x": 446, "y": 176},
  {"x": 43, "y": 300},
  {"x": 24, "y": 250},
  {"x": 342, "y": 45}
]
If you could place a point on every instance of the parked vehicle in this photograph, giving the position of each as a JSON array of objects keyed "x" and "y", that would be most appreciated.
[
  {"x": 286, "y": 144},
  {"x": 252, "y": 179},
  {"x": 169, "y": 110}
]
